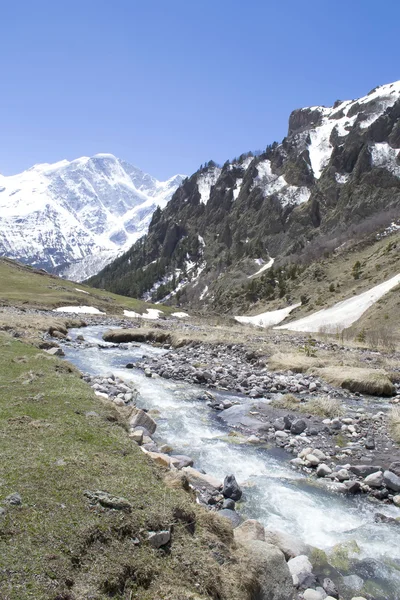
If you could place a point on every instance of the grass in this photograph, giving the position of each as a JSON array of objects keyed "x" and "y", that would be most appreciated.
[
  {"x": 374, "y": 382},
  {"x": 321, "y": 407},
  {"x": 57, "y": 440},
  {"x": 24, "y": 286},
  {"x": 394, "y": 423},
  {"x": 296, "y": 362}
]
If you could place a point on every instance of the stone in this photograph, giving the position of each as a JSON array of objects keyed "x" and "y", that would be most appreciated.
[
  {"x": 232, "y": 516},
  {"x": 313, "y": 460},
  {"x": 148, "y": 373},
  {"x": 290, "y": 545},
  {"x": 142, "y": 419},
  {"x": 108, "y": 500},
  {"x": 375, "y": 480},
  {"x": 129, "y": 366},
  {"x": 281, "y": 435},
  {"x": 176, "y": 480},
  {"x": 2, "y": 511},
  {"x": 353, "y": 582},
  {"x": 342, "y": 475},
  {"x": 14, "y": 499},
  {"x": 364, "y": 470},
  {"x": 370, "y": 444},
  {"x": 312, "y": 387},
  {"x": 319, "y": 454},
  {"x": 248, "y": 531},
  {"x": 137, "y": 436},
  {"x": 330, "y": 588},
  {"x": 159, "y": 538},
  {"x": 158, "y": 457},
  {"x": 231, "y": 488},
  {"x": 253, "y": 439},
  {"x": 394, "y": 467},
  {"x": 298, "y": 427},
  {"x": 270, "y": 572},
  {"x": 229, "y": 503},
  {"x": 55, "y": 352},
  {"x": 202, "y": 480},
  {"x": 353, "y": 487},
  {"x": 180, "y": 461},
  {"x": 392, "y": 481},
  {"x": 323, "y": 470},
  {"x": 396, "y": 500},
  {"x": 300, "y": 568},
  {"x": 311, "y": 594}
]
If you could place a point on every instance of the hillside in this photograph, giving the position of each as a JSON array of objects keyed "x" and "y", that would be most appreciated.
[
  {"x": 75, "y": 216},
  {"x": 335, "y": 178}
]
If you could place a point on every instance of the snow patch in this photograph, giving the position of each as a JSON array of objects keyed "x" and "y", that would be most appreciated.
[
  {"x": 343, "y": 314},
  {"x": 264, "y": 267},
  {"x": 270, "y": 318},
  {"x": 205, "y": 181},
  {"x": 385, "y": 156},
  {"x": 151, "y": 313},
  {"x": 180, "y": 315},
  {"x": 204, "y": 293},
  {"x": 79, "y": 310},
  {"x": 81, "y": 291}
]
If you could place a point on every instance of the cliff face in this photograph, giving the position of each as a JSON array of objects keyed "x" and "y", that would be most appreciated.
[{"x": 338, "y": 168}]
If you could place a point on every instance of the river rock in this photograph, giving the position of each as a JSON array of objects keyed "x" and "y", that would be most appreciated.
[
  {"x": 229, "y": 503},
  {"x": 161, "y": 459},
  {"x": 375, "y": 480},
  {"x": 202, "y": 480},
  {"x": 279, "y": 424},
  {"x": 323, "y": 470},
  {"x": 364, "y": 470},
  {"x": 232, "y": 516},
  {"x": 159, "y": 538},
  {"x": 248, "y": 531},
  {"x": 231, "y": 488},
  {"x": 394, "y": 467},
  {"x": 298, "y": 427},
  {"x": 180, "y": 461},
  {"x": 55, "y": 352},
  {"x": 312, "y": 460},
  {"x": 330, "y": 588},
  {"x": 271, "y": 574},
  {"x": 396, "y": 501},
  {"x": 290, "y": 545},
  {"x": 392, "y": 481},
  {"x": 342, "y": 475},
  {"x": 137, "y": 436},
  {"x": 142, "y": 419},
  {"x": 300, "y": 569},
  {"x": 311, "y": 594}
]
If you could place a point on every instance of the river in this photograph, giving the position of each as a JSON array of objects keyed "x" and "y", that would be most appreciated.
[{"x": 275, "y": 494}]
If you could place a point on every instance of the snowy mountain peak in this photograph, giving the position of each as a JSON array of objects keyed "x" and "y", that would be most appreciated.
[{"x": 53, "y": 214}]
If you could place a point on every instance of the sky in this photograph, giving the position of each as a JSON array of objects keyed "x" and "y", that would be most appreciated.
[{"x": 169, "y": 84}]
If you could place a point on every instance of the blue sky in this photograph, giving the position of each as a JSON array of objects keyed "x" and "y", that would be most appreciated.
[{"x": 169, "y": 84}]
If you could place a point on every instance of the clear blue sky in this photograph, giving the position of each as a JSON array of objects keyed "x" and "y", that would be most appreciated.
[{"x": 169, "y": 84}]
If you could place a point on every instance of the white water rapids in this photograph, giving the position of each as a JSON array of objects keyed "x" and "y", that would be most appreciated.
[{"x": 275, "y": 494}]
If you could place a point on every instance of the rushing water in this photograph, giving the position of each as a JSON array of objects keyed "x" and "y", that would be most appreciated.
[{"x": 275, "y": 494}]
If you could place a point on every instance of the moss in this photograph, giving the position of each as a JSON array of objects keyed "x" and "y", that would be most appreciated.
[{"x": 341, "y": 555}]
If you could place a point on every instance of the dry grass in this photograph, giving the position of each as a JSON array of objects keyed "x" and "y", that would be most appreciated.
[
  {"x": 394, "y": 423},
  {"x": 366, "y": 381},
  {"x": 321, "y": 407},
  {"x": 296, "y": 362}
]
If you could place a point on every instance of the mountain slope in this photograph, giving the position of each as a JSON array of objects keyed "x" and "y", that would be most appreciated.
[
  {"x": 337, "y": 171},
  {"x": 53, "y": 214}
]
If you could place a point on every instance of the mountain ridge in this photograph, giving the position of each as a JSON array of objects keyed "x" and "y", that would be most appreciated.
[
  {"x": 68, "y": 211},
  {"x": 338, "y": 169}
]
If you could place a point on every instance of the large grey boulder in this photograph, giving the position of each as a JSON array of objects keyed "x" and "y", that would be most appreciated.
[
  {"x": 392, "y": 481},
  {"x": 375, "y": 480},
  {"x": 202, "y": 480},
  {"x": 290, "y": 545},
  {"x": 300, "y": 569},
  {"x": 249, "y": 531},
  {"x": 231, "y": 515},
  {"x": 142, "y": 419},
  {"x": 272, "y": 579}
]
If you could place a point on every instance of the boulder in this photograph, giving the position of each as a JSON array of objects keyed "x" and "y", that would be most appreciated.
[
  {"x": 312, "y": 460},
  {"x": 364, "y": 470},
  {"x": 330, "y": 588},
  {"x": 272, "y": 579},
  {"x": 375, "y": 480},
  {"x": 396, "y": 500},
  {"x": 137, "y": 436},
  {"x": 159, "y": 538},
  {"x": 55, "y": 352},
  {"x": 202, "y": 480},
  {"x": 392, "y": 481},
  {"x": 300, "y": 568},
  {"x": 14, "y": 499},
  {"x": 231, "y": 488},
  {"x": 342, "y": 475},
  {"x": 323, "y": 470},
  {"x": 290, "y": 545},
  {"x": 180, "y": 460},
  {"x": 298, "y": 427},
  {"x": 228, "y": 503},
  {"x": 394, "y": 467},
  {"x": 248, "y": 531},
  {"x": 142, "y": 419},
  {"x": 232, "y": 516}
]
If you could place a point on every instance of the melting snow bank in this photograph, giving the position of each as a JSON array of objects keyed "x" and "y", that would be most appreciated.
[
  {"x": 82, "y": 291},
  {"x": 79, "y": 310},
  {"x": 180, "y": 315},
  {"x": 267, "y": 265},
  {"x": 343, "y": 314},
  {"x": 151, "y": 313},
  {"x": 270, "y": 318}
]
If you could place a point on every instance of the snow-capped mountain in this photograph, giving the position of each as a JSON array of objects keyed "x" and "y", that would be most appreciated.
[
  {"x": 80, "y": 213},
  {"x": 338, "y": 169}
]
